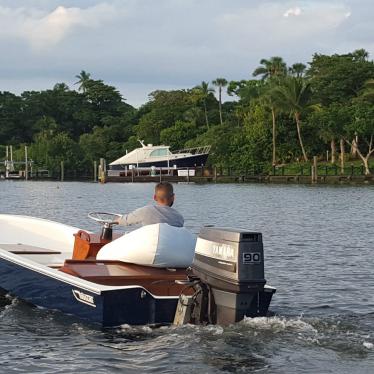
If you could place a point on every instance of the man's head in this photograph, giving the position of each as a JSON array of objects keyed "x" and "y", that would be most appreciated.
[{"x": 164, "y": 194}]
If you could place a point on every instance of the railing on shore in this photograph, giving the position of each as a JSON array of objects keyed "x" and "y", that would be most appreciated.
[
  {"x": 278, "y": 174},
  {"x": 322, "y": 170}
]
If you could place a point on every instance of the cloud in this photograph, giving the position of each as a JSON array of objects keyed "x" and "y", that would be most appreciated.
[
  {"x": 139, "y": 45},
  {"x": 313, "y": 17},
  {"x": 292, "y": 12},
  {"x": 42, "y": 30}
]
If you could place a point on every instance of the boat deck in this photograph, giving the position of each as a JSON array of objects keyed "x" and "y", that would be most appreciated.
[
  {"x": 158, "y": 281},
  {"x": 44, "y": 256},
  {"x": 24, "y": 249}
]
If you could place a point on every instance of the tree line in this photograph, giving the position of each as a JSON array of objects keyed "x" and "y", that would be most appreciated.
[{"x": 280, "y": 114}]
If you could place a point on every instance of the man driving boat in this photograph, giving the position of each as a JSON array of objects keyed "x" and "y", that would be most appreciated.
[{"x": 162, "y": 212}]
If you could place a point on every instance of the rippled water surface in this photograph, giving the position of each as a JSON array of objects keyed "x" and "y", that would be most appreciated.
[{"x": 319, "y": 251}]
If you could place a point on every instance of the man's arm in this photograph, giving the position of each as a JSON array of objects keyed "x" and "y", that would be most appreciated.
[{"x": 132, "y": 218}]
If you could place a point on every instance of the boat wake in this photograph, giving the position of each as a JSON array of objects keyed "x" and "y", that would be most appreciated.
[
  {"x": 279, "y": 324},
  {"x": 251, "y": 345},
  {"x": 346, "y": 334},
  {"x": 7, "y": 302}
]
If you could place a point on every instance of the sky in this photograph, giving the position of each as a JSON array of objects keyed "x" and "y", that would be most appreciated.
[{"x": 143, "y": 45}]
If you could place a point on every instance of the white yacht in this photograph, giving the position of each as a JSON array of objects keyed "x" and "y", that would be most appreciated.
[{"x": 160, "y": 156}]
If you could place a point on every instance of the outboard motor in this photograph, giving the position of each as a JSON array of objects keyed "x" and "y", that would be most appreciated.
[{"x": 228, "y": 275}]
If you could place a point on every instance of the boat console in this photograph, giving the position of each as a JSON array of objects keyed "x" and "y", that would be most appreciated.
[{"x": 86, "y": 244}]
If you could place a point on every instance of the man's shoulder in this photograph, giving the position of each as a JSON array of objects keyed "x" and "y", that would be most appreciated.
[
  {"x": 176, "y": 211},
  {"x": 168, "y": 208},
  {"x": 142, "y": 210}
]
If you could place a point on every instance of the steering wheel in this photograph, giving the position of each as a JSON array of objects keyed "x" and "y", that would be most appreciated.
[{"x": 105, "y": 219}]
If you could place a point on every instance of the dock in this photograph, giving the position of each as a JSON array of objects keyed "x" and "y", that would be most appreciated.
[{"x": 227, "y": 175}]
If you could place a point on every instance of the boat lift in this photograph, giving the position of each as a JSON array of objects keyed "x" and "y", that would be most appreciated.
[{"x": 10, "y": 165}]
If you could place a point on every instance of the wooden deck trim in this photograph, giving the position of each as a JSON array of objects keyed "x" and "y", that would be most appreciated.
[{"x": 24, "y": 249}]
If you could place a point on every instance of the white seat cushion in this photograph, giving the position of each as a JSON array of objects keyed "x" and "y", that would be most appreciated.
[{"x": 159, "y": 245}]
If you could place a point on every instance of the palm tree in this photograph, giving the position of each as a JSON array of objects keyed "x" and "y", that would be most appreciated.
[
  {"x": 360, "y": 55},
  {"x": 297, "y": 69},
  {"x": 274, "y": 67},
  {"x": 368, "y": 90},
  {"x": 271, "y": 70},
  {"x": 220, "y": 83},
  {"x": 83, "y": 77},
  {"x": 269, "y": 100},
  {"x": 61, "y": 87},
  {"x": 294, "y": 96},
  {"x": 204, "y": 91}
]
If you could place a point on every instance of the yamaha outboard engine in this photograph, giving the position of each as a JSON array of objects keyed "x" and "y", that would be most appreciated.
[{"x": 228, "y": 271}]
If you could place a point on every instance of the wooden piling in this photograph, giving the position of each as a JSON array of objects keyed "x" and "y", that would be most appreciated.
[
  {"x": 95, "y": 171},
  {"x": 26, "y": 165},
  {"x": 62, "y": 171},
  {"x": 102, "y": 170},
  {"x": 342, "y": 152},
  {"x": 314, "y": 170},
  {"x": 215, "y": 174}
]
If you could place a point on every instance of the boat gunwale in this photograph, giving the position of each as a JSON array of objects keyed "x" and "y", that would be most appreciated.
[{"x": 67, "y": 278}]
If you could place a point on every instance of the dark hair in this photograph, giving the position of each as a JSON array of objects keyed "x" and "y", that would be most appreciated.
[{"x": 166, "y": 188}]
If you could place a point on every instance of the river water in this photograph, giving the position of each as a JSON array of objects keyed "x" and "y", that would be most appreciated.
[{"x": 319, "y": 244}]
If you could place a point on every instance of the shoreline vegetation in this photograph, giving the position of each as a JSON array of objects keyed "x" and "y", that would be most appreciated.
[{"x": 280, "y": 122}]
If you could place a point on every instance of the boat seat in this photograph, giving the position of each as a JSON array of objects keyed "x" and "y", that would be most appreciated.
[
  {"x": 24, "y": 249},
  {"x": 158, "y": 281}
]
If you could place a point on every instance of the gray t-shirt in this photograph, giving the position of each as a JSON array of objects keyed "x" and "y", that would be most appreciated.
[{"x": 152, "y": 214}]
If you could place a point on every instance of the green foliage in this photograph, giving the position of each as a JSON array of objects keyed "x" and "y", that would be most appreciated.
[
  {"x": 178, "y": 135},
  {"x": 362, "y": 121},
  {"x": 163, "y": 110},
  {"x": 50, "y": 148},
  {"x": 331, "y": 100},
  {"x": 339, "y": 78},
  {"x": 330, "y": 121},
  {"x": 257, "y": 131},
  {"x": 274, "y": 67},
  {"x": 220, "y": 137}
]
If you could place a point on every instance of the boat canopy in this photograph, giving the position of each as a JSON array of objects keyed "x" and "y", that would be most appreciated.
[{"x": 146, "y": 153}]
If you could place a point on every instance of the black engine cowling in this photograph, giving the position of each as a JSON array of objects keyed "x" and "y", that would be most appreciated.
[{"x": 228, "y": 272}]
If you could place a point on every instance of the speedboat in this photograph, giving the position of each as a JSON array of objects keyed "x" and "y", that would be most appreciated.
[
  {"x": 160, "y": 156},
  {"x": 154, "y": 275}
]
